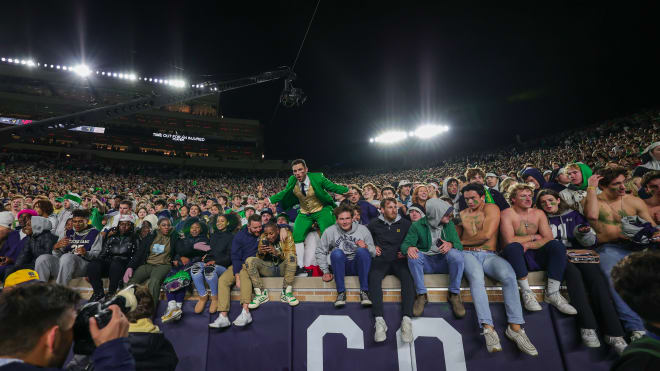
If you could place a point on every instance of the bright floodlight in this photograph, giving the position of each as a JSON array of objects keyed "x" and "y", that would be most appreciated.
[
  {"x": 429, "y": 131},
  {"x": 389, "y": 137},
  {"x": 82, "y": 70}
]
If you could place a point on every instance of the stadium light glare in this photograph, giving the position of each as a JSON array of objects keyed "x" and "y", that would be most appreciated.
[
  {"x": 30, "y": 63},
  {"x": 82, "y": 70},
  {"x": 390, "y": 137},
  {"x": 428, "y": 131}
]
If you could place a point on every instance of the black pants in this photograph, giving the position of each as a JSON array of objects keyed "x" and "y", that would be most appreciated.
[
  {"x": 585, "y": 281},
  {"x": 380, "y": 267},
  {"x": 114, "y": 269}
]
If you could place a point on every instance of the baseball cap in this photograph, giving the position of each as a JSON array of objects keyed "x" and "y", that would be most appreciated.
[{"x": 21, "y": 277}]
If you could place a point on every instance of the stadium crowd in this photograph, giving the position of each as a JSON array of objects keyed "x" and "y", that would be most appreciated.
[{"x": 574, "y": 205}]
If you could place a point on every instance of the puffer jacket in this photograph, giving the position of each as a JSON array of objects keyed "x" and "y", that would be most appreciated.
[
  {"x": 39, "y": 243},
  {"x": 119, "y": 247}
]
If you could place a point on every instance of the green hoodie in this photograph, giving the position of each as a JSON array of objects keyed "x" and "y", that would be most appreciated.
[{"x": 586, "y": 173}]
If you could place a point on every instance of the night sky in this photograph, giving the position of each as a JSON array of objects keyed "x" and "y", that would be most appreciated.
[{"x": 488, "y": 71}]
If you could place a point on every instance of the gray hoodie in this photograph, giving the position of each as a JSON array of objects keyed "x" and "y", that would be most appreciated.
[
  {"x": 336, "y": 238},
  {"x": 436, "y": 209},
  {"x": 454, "y": 199}
]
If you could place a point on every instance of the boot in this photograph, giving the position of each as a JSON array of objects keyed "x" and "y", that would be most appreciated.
[
  {"x": 456, "y": 305},
  {"x": 214, "y": 304},
  {"x": 201, "y": 303}
]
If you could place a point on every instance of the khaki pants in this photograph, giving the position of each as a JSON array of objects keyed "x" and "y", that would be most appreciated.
[
  {"x": 226, "y": 281},
  {"x": 257, "y": 268}
]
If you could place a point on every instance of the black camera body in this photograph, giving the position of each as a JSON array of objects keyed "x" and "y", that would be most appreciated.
[{"x": 100, "y": 311}]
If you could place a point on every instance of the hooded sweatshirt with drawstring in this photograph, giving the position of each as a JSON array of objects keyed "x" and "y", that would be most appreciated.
[
  {"x": 336, "y": 238},
  {"x": 425, "y": 233},
  {"x": 455, "y": 197}
]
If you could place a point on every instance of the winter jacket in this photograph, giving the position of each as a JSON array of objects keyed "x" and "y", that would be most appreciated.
[
  {"x": 109, "y": 356},
  {"x": 285, "y": 249},
  {"x": 118, "y": 246},
  {"x": 142, "y": 253},
  {"x": 150, "y": 348},
  {"x": 389, "y": 236},
  {"x": 221, "y": 248},
  {"x": 243, "y": 246},
  {"x": 336, "y": 238},
  {"x": 13, "y": 245},
  {"x": 40, "y": 242},
  {"x": 185, "y": 247},
  {"x": 420, "y": 235}
]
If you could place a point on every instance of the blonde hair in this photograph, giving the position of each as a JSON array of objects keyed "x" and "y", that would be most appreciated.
[
  {"x": 513, "y": 191},
  {"x": 506, "y": 184}
]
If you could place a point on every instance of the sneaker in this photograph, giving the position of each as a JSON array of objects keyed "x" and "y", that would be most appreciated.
[
  {"x": 456, "y": 305},
  {"x": 96, "y": 297},
  {"x": 589, "y": 338},
  {"x": 341, "y": 299},
  {"x": 559, "y": 302},
  {"x": 287, "y": 296},
  {"x": 406, "y": 330},
  {"x": 220, "y": 322},
  {"x": 420, "y": 302},
  {"x": 259, "y": 298},
  {"x": 492, "y": 340},
  {"x": 617, "y": 342},
  {"x": 380, "y": 334},
  {"x": 364, "y": 298},
  {"x": 529, "y": 301},
  {"x": 302, "y": 272},
  {"x": 636, "y": 335},
  {"x": 244, "y": 319},
  {"x": 521, "y": 340},
  {"x": 173, "y": 314}
]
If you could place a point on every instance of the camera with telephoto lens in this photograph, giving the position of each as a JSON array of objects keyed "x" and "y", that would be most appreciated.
[{"x": 101, "y": 312}]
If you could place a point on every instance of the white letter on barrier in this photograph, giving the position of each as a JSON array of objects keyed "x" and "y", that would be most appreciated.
[
  {"x": 326, "y": 324},
  {"x": 452, "y": 343}
]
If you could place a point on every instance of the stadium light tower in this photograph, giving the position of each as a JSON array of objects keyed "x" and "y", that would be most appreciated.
[
  {"x": 82, "y": 70},
  {"x": 428, "y": 131}
]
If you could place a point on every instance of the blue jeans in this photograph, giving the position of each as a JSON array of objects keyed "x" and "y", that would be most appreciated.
[
  {"x": 610, "y": 254},
  {"x": 451, "y": 262},
  {"x": 478, "y": 263},
  {"x": 341, "y": 267},
  {"x": 210, "y": 274}
]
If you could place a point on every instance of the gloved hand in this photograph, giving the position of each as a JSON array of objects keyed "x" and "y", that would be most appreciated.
[
  {"x": 202, "y": 246},
  {"x": 128, "y": 274}
]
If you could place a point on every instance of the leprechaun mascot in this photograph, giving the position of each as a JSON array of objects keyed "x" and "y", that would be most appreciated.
[{"x": 310, "y": 191}]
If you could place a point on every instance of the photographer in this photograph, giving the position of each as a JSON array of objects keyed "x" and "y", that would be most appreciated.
[{"x": 43, "y": 314}]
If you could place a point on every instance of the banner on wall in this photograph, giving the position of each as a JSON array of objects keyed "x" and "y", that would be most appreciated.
[{"x": 316, "y": 336}]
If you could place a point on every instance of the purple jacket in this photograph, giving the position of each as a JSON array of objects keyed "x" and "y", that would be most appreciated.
[
  {"x": 367, "y": 212},
  {"x": 13, "y": 246}
]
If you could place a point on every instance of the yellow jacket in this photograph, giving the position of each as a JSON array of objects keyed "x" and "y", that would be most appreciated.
[{"x": 285, "y": 248}]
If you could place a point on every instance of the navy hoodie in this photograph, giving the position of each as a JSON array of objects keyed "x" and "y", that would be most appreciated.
[{"x": 243, "y": 246}]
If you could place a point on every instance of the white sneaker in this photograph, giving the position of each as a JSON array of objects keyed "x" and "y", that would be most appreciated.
[
  {"x": 220, "y": 322},
  {"x": 521, "y": 340},
  {"x": 559, "y": 302},
  {"x": 244, "y": 319},
  {"x": 529, "y": 301},
  {"x": 589, "y": 337},
  {"x": 492, "y": 340},
  {"x": 636, "y": 335},
  {"x": 616, "y": 342},
  {"x": 406, "y": 330},
  {"x": 173, "y": 313},
  {"x": 380, "y": 333}
]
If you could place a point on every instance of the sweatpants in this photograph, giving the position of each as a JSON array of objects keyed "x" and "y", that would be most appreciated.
[
  {"x": 585, "y": 281},
  {"x": 113, "y": 269},
  {"x": 63, "y": 269},
  {"x": 380, "y": 267}
]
